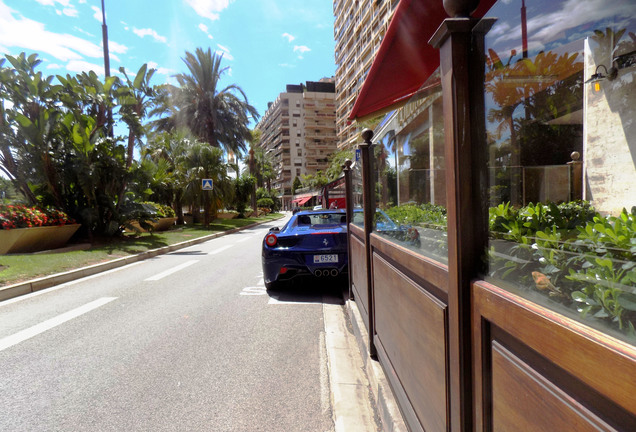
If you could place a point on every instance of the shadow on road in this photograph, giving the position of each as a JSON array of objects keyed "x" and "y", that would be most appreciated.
[{"x": 312, "y": 290}]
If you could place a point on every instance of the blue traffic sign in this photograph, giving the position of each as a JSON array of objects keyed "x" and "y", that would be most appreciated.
[{"x": 207, "y": 184}]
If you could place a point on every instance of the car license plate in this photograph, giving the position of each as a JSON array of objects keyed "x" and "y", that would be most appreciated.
[{"x": 318, "y": 259}]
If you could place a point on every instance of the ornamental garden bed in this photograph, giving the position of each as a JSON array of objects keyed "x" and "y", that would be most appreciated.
[
  {"x": 161, "y": 224},
  {"x": 30, "y": 229},
  {"x": 21, "y": 240}
]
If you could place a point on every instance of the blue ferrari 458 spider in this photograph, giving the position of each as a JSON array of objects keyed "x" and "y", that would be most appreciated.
[{"x": 312, "y": 243}]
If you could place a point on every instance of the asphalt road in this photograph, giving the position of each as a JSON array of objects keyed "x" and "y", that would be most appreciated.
[{"x": 188, "y": 341}]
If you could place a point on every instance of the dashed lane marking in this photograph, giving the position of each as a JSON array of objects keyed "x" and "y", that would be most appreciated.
[
  {"x": 172, "y": 270},
  {"x": 219, "y": 250},
  {"x": 37, "y": 329}
]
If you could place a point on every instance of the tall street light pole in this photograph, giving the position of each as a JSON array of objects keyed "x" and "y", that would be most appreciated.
[
  {"x": 106, "y": 66},
  {"x": 105, "y": 42}
]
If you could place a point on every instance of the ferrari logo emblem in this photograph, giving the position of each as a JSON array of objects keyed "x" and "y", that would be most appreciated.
[{"x": 325, "y": 242}]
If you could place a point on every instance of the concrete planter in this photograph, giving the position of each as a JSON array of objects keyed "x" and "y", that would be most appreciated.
[
  {"x": 221, "y": 215},
  {"x": 162, "y": 224},
  {"x": 35, "y": 239}
]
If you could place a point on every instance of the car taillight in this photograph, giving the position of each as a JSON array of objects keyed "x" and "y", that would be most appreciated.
[{"x": 271, "y": 240}]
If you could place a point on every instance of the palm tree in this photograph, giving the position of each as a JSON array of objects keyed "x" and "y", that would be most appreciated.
[
  {"x": 219, "y": 118},
  {"x": 170, "y": 149},
  {"x": 135, "y": 97},
  {"x": 205, "y": 162}
]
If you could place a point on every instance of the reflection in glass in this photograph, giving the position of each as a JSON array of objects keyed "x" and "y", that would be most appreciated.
[
  {"x": 410, "y": 183},
  {"x": 356, "y": 189},
  {"x": 561, "y": 136}
]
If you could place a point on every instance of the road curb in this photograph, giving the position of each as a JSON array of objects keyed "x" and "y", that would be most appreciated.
[
  {"x": 386, "y": 405},
  {"x": 22, "y": 288}
]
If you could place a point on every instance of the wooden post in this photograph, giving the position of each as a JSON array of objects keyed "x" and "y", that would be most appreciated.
[
  {"x": 346, "y": 169},
  {"x": 462, "y": 72},
  {"x": 368, "y": 205}
]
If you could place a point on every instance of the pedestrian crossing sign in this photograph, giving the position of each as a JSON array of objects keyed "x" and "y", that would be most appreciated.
[{"x": 206, "y": 184}]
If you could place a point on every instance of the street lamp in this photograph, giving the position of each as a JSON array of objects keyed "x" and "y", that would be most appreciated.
[{"x": 106, "y": 65}]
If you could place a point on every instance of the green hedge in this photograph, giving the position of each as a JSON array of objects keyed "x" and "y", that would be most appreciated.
[{"x": 568, "y": 252}]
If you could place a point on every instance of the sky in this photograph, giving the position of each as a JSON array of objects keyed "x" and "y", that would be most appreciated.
[{"x": 266, "y": 44}]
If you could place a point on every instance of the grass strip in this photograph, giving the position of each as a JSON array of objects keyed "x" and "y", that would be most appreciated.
[{"x": 16, "y": 268}]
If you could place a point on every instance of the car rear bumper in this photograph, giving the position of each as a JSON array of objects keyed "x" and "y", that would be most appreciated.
[{"x": 296, "y": 264}]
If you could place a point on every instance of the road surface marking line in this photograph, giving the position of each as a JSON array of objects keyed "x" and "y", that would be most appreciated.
[
  {"x": 219, "y": 250},
  {"x": 253, "y": 291},
  {"x": 25, "y": 334},
  {"x": 64, "y": 285},
  {"x": 172, "y": 270}
]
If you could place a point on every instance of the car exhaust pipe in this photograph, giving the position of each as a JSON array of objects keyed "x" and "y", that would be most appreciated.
[
  {"x": 334, "y": 272},
  {"x": 318, "y": 273}
]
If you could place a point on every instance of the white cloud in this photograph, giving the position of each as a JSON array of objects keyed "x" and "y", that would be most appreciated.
[
  {"x": 97, "y": 13},
  {"x": 72, "y": 12},
  {"x": 84, "y": 66},
  {"x": 225, "y": 51},
  {"x": 149, "y": 32},
  {"x": 208, "y": 8},
  {"x": 30, "y": 35},
  {"x": 289, "y": 37},
  {"x": 204, "y": 29},
  {"x": 52, "y": 2},
  {"x": 54, "y": 66},
  {"x": 83, "y": 31},
  {"x": 117, "y": 47},
  {"x": 301, "y": 49},
  {"x": 161, "y": 70}
]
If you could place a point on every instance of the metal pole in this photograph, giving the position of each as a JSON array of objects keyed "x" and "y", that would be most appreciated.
[
  {"x": 368, "y": 199},
  {"x": 106, "y": 65}
]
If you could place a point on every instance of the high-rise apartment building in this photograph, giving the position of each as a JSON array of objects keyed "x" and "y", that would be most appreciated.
[
  {"x": 358, "y": 30},
  {"x": 299, "y": 131}
]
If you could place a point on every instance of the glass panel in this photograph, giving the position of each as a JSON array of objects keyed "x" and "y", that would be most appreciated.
[
  {"x": 409, "y": 163},
  {"x": 561, "y": 135},
  {"x": 356, "y": 188}
]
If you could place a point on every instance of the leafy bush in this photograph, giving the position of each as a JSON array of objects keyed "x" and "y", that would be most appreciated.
[
  {"x": 19, "y": 216},
  {"x": 269, "y": 198},
  {"x": 573, "y": 254},
  {"x": 427, "y": 214}
]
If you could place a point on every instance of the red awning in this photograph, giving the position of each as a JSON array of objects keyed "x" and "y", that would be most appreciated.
[
  {"x": 302, "y": 201},
  {"x": 405, "y": 59}
]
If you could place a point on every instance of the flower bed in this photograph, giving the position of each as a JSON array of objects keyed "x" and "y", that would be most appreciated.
[
  {"x": 19, "y": 216},
  {"x": 30, "y": 229}
]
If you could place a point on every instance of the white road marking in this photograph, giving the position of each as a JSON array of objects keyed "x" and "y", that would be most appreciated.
[
  {"x": 219, "y": 250},
  {"x": 66, "y": 284},
  {"x": 172, "y": 270},
  {"x": 259, "y": 290},
  {"x": 274, "y": 300},
  {"x": 23, "y": 335}
]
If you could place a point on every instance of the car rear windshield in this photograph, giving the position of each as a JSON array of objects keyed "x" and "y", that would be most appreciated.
[{"x": 321, "y": 219}]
